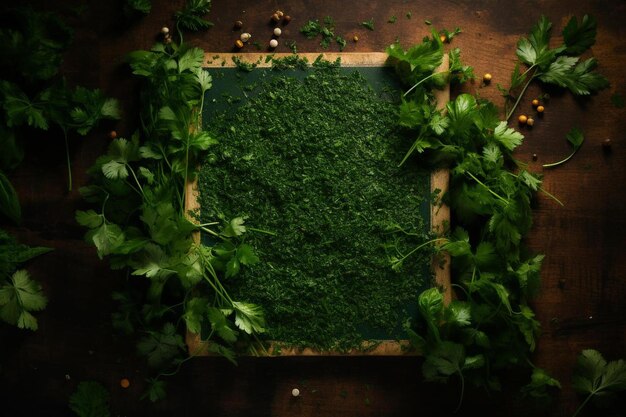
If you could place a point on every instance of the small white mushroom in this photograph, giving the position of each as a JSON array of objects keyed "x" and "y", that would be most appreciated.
[
  {"x": 277, "y": 32},
  {"x": 273, "y": 43},
  {"x": 245, "y": 37},
  {"x": 295, "y": 392}
]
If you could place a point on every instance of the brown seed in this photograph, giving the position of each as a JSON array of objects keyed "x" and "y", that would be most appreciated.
[
  {"x": 238, "y": 24},
  {"x": 355, "y": 38},
  {"x": 280, "y": 13},
  {"x": 124, "y": 383},
  {"x": 239, "y": 43},
  {"x": 530, "y": 121},
  {"x": 112, "y": 134},
  {"x": 276, "y": 17},
  {"x": 606, "y": 144},
  {"x": 487, "y": 78},
  {"x": 535, "y": 102},
  {"x": 534, "y": 157},
  {"x": 540, "y": 109},
  {"x": 522, "y": 119},
  {"x": 287, "y": 19}
]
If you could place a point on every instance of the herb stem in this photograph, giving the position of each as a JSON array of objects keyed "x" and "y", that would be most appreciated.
[
  {"x": 552, "y": 196},
  {"x": 583, "y": 404},
  {"x": 422, "y": 80},
  {"x": 488, "y": 189},
  {"x": 521, "y": 94},
  {"x": 69, "y": 165},
  {"x": 552, "y": 165},
  {"x": 267, "y": 232},
  {"x": 458, "y": 407}
]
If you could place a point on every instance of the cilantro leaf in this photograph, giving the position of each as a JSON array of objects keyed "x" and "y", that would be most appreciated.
[
  {"x": 191, "y": 16},
  {"x": 18, "y": 298},
  {"x": 234, "y": 228},
  {"x": 161, "y": 347},
  {"x": 156, "y": 390},
  {"x": 191, "y": 60},
  {"x": 249, "y": 317},
  {"x": 507, "y": 137},
  {"x": 90, "y": 399},
  {"x": 137, "y": 6},
  {"x": 418, "y": 61},
  {"x": 579, "y": 38},
  {"x": 597, "y": 378},
  {"x": 539, "y": 386},
  {"x": 20, "y": 109},
  {"x": 13, "y": 254}
]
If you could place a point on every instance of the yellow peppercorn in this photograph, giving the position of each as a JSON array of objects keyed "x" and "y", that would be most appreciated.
[
  {"x": 530, "y": 121},
  {"x": 124, "y": 383},
  {"x": 535, "y": 102},
  {"x": 540, "y": 109},
  {"x": 355, "y": 38},
  {"x": 522, "y": 119},
  {"x": 276, "y": 17},
  {"x": 487, "y": 78},
  {"x": 239, "y": 43},
  {"x": 443, "y": 38}
]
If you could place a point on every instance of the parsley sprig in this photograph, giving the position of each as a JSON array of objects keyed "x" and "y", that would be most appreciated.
[
  {"x": 491, "y": 326},
  {"x": 139, "y": 220},
  {"x": 561, "y": 66}
]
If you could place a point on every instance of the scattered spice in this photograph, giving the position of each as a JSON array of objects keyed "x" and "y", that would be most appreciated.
[
  {"x": 522, "y": 119},
  {"x": 124, "y": 383},
  {"x": 540, "y": 109},
  {"x": 112, "y": 134},
  {"x": 239, "y": 43},
  {"x": 530, "y": 122},
  {"x": 535, "y": 102},
  {"x": 273, "y": 43},
  {"x": 392, "y": 19},
  {"x": 238, "y": 24},
  {"x": 487, "y": 78}
]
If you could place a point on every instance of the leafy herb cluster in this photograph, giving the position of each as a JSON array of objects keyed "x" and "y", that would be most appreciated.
[
  {"x": 336, "y": 208},
  {"x": 141, "y": 222},
  {"x": 490, "y": 326},
  {"x": 313, "y": 29}
]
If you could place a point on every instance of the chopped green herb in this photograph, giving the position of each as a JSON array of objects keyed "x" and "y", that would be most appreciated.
[
  {"x": 280, "y": 169},
  {"x": 408, "y": 15},
  {"x": 368, "y": 24},
  {"x": 392, "y": 19},
  {"x": 428, "y": 22},
  {"x": 292, "y": 46},
  {"x": 314, "y": 28}
]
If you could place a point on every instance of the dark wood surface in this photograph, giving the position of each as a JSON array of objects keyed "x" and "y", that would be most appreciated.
[{"x": 583, "y": 299}]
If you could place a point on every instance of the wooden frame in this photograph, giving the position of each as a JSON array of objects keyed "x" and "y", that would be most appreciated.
[{"x": 439, "y": 214}]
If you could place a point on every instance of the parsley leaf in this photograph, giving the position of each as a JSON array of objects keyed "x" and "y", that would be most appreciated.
[
  {"x": 191, "y": 16},
  {"x": 18, "y": 297},
  {"x": 579, "y": 38},
  {"x": 90, "y": 399},
  {"x": 161, "y": 347},
  {"x": 249, "y": 317},
  {"x": 597, "y": 378},
  {"x": 507, "y": 137}
]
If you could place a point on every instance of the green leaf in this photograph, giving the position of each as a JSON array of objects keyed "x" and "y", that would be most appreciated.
[
  {"x": 446, "y": 359},
  {"x": 430, "y": 303},
  {"x": 156, "y": 390},
  {"x": 507, "y": 137},
  {"x": 152, "y": 263},
  {"x": 110, "y": 109},
  {"x": 232, "y": 267},
  {"x": 160, "y": 348},
  {"x": 221, "y": 325},
  {"x": 525, "y": 51},
  {"x": 249, "y": 317},
  {"x": 246, "y": 255},
  {"x": 89, "y": 218},
  {"x": 575, "y": 137},
  {"x": 540, "y": 384},
  {"x": 461, "y": 113},
  {"x": 191, "y": 60},
  {"x": 107, "y": 238},
  {"x": 204, "y": 79},
  {"x": 13, "y": 254},
  {"x": 579, "y": 38},
  {"x": 18, "y": 297},
  {"x": 459, "y": 313},
  {"x": 9, "y": 201},
  {"x": 530, "y": 180},
  {"x": 139, "y": 6},
  {"x": 90, "y": 399},
  {"x": 234, "y": 228},
  {"x": 191, "y": 16},
  {"x": 20, "y": 109}
]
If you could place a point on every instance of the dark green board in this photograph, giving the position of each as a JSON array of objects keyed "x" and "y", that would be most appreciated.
[{"x": 228, "y": 91}]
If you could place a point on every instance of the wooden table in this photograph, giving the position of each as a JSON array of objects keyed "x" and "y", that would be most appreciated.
[{"x": 583, "y": 299}]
